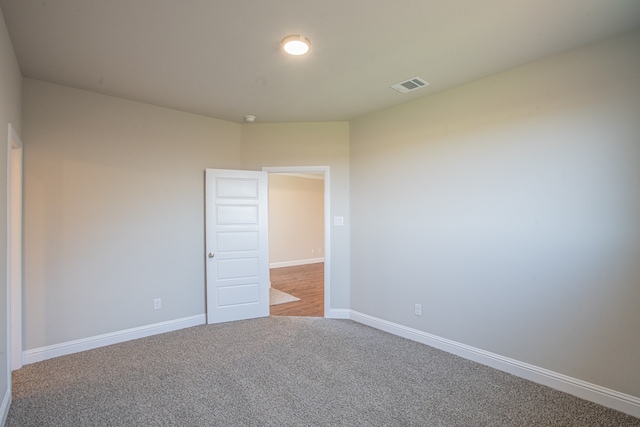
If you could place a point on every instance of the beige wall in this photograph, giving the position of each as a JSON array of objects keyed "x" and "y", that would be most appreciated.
[
  {"x": 510, "y": 209},
  {"x": 311, "y": 144},
  {"x": 113, "y": 211},
  {"x": 10, "y": 105},
  {"x": 114, "y": 206},
  {"x": 296, "y": 219}
]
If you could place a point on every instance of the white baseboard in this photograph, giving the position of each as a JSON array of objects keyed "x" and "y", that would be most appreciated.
[
  {"x": 6, "y": 403},
  {"x": 337, "y": 313},
  {"x": 295, "y": 262},
  {"x": 48, "y": 352},
  {"x": 582, "y": 389}
]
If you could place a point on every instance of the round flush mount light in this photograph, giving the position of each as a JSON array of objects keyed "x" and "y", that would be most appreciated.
[{"x": 296, "y": 45}]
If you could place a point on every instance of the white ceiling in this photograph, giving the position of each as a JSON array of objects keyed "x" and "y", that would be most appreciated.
[{"x": 222, "y": 58}]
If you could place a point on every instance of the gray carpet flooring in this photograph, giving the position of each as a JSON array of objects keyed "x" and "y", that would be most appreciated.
[{"x": 286, "y": 371}]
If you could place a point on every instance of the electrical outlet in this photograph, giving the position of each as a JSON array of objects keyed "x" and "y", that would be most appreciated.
[
  {"x": 418, "y": 310},
  {"x": 157, "y": 304}
]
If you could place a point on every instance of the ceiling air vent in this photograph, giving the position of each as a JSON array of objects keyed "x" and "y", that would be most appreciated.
[{"x": 409, "y": 85}]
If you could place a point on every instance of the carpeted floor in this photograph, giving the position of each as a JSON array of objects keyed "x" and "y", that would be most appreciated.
[{"x": 286, "y": 371}]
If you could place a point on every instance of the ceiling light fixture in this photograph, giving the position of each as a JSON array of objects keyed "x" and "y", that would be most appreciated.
[{"x": 296, "y": 44}]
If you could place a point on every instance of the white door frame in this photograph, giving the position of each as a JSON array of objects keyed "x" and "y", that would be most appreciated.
[
  {"x": 14, "y": 250},
  {"x": 327, "y": 221}
]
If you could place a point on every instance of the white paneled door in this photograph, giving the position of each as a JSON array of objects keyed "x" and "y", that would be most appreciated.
[{"x": 237, "y": 248}]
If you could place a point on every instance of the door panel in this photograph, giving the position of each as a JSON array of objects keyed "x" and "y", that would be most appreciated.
[
  {"x": 237, "y": 188},
  {"x": 237, "y": 245},
  {"x": 238, "y": 268},
  {"x": 238, "y": 241},
  {"x": 229, "y": 215},
  {"x": 244, "y": 294}
]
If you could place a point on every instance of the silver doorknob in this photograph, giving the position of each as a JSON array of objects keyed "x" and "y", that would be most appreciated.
[{"x": 210, "y": 254}]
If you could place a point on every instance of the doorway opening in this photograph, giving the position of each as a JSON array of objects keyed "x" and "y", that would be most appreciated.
[{"x": 304, "y": 270}]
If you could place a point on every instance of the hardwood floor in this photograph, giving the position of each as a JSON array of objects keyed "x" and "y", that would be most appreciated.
[{"x": 305, "y": 282}]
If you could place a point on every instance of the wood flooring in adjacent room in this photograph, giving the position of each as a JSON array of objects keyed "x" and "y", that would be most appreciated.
[{"x": 303, "y": 281}]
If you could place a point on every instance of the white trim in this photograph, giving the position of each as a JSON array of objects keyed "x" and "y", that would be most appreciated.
[
  {"x": 338, "y": 313},
  {"x": 70, "y": 347},
  {"x": 582, "y": 389},
  {"x": 4, "y": 408},
  {"x": 326, "y": 170},
  {"x": 296, "y": 262},
  {"x": 302, "y": 175}
]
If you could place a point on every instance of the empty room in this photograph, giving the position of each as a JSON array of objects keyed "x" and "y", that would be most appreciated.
[{"x": 477, "y": 218}]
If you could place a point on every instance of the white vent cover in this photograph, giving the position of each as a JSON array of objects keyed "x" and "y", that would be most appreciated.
[{"x": 409, "y": 85}]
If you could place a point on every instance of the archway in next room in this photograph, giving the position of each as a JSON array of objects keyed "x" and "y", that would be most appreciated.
[{"x": 298, "y": 240}]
